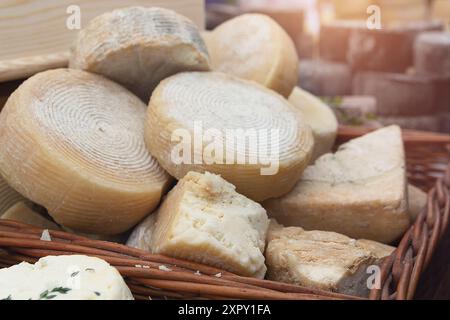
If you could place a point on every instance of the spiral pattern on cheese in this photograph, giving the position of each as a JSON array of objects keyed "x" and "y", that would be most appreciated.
[
  {"x": 257, "y": 140},
  {"x": 138, "y": 47},
  {"x": 73, "y": 142},
  {"x": 255, "y": 47},
  {"x": 8, "y": 196}
]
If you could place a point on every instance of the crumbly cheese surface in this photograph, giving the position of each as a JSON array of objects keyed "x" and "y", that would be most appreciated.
[
  {"x": 204, "y": 219},
  {"x": 72, "y": 277},
  {"x": 138, "y": 47},
  {"x": 321, "y": 259},
  {"x": 359, "y": 191}
]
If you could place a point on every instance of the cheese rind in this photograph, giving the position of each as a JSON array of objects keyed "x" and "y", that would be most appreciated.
[
  {"x": 319, "y": 117},
  {"x": 138, "y": 47},
  {"x": 322, "y": 260},
  {"x": 204, "y": 219},
  {"x": 80, "y": 141},
  {"x": 23, "y": 213},
  {"x": 260, "y": 143},
  {"x": 74, "y": 277},
  {"x": 255, "y": 47},
  {"x": 359, "y": 191}
]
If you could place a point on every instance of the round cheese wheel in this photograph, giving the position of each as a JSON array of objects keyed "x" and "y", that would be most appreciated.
[
  {"x": 138, "y": 47},
  {"x": 319, "y": 117},
  {"x": 255, "y": 47},
  {"x": 73, "y": 142},
  {"x": 251, "y": 136}
]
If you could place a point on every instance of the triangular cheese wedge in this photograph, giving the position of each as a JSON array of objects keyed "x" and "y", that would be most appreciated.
[{"x": 359, "y": 191}]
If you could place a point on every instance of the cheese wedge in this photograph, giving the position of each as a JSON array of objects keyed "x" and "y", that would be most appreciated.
[
  {"x": 22, "y": 212},
  {"x": 255, "y": 47},
  {"x": 205, "y": 220},
  {"x": 141, "y": 237},
  {"x": 319, "y": 117},
  {"x": 322, "y": 260},
  {"x": 417, "y": 200},
  {"x": 138, "y": 47},
  {"x": 74, "y": 277},
  {"x": 359, "y": 191},
  {"x": 210, "y": 121},
  {"x": 8, "y": 196},
  {"x": 79, "y": 140}
]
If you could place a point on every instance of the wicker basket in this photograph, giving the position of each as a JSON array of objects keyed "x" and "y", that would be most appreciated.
[{"x": 428, "y": 168}]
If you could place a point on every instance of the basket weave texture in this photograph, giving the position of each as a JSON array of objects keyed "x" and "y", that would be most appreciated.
[{"x": 156, "y": 276}]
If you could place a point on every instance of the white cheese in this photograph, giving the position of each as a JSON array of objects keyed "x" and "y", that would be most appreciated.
[
  {"x": 138, "y": 47},
  {"x": 239, "y": 129},
  {"x": 73, "y": 277},
  {"x": 79, "y": 140},
  {"x": 322, "y": 260},
  {"x": 141, "y": 237},
  {"x": 203, "y": 219},
  {"x": 255, "y": 47},
  {"x": 359, "y": 191},
  {"x": 319, "y": 117}
]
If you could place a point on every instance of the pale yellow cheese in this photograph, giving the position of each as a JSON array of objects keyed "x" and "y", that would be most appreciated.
[
  {"x": 255, "y": 47},
  {"x": 22, "y": 212},
  {"x": 73, "y": 142},
  {"x": 8, "y": 196},
  {"x": 417, "y": 200},
  {"x": 359, "y": 191},
  {"x": 205, "y": 220},
  {"x": 210, "y": 121},
  {"x": 319, "y": 117},
  {"x": 321, "y": 259},
  {"x": 138, "y": 47}
]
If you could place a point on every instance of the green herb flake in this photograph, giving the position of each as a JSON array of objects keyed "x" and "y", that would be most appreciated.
[
  {"x": 74, "y": 274},
  {"x": 97, "y": 293},
  {"x": 8, "y": 298}
]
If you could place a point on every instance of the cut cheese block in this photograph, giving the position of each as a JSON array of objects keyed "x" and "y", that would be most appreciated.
[
  {"x": 141, "y": 237},
  {"x": 400, "y": 94},
  {"x": 325, "y": 78},
  {"x": 432, "y": 54},
  {"x": 322, "y": 260},
  {"x": 74, "y": 277},
  {"x": 417, "y": 200},
  {"x": 79, "y": 140},
  {"x": 205, "y": 220},
  {"x": 255, "y": 47},
  {"x": 22, "y": 212},
  {"x": 138, "y": 47},
  {"x": 319, "y": 117},
  {"x": 359, "y": 191},
  {"x": 335, "y": 36},
  {"x": 8, "y": 196},
  {"x": 210, "y": 121}
]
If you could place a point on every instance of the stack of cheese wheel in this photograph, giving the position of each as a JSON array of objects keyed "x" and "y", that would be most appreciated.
[
  {"x": 138, "y": 47},
  {"x": 79, "y": 140},
  {"x": 255, "y": 47},
  {"x": 248, "y": 134}
]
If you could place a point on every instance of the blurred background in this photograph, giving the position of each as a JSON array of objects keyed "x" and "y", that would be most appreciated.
[{"x": 399, "y": 73}]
